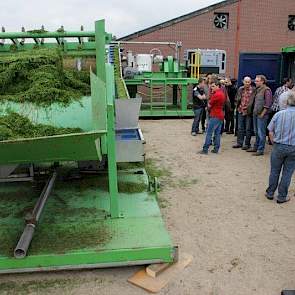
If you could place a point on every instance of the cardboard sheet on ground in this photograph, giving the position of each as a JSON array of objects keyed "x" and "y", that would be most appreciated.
[{"x": 154, "y": 285}]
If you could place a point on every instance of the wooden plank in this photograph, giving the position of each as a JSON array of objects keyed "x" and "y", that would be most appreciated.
[
  {"x": 154, "y": 270},
  {"x": 154, "y": 285}
]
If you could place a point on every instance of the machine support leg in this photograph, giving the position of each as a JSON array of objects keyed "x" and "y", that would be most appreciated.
[
  {"x": 100, "y": 49},
  {"x": 111, "y": 146},
  {"x": 151, "y": 95},
  {"x": 183, "y": 97},
  {"x": 175, "y": 88},
  {"x": 112, "y": 166},
  {"x": 25, "y": 240}
]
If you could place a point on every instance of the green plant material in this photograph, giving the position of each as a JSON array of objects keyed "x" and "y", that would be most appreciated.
[
  {"x": 101, "y": 182},
  {"x": 61, "y": 30},
  {"x": 154, "y": 171},
  {"x": 131, "y": 187},
  {"x": 127, "y": 166},
  {"x": 163, "y": 203},
  {"x": 16, "y": 126},
  {"x": 37, "y": 31},
  {"x": 119, "y": 82},
  {"x": 46, "y": 285},
  {"x": 37, "y": 76},
  {"x": 183, "y": 183},
  {"x": 57, "y": 238}
]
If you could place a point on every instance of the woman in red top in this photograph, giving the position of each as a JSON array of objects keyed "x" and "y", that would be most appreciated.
[{"x": 216, "y": 117}]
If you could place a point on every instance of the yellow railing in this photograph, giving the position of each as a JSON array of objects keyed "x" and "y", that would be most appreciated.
[{"x": 195, "y": 65}]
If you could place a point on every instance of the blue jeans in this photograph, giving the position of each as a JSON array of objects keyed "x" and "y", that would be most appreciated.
[
  {"x": 260, "y": 125},
  {"x": 214, "y": 126},
  {"x": 244, "y": 130},
  {"x": 198, "y": 115},
  {"x": 282, "y": 158}
]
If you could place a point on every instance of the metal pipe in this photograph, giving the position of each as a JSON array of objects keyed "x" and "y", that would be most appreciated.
[
  {"x": 237, "y": 40},
  {"x": 16, "y": 35},
  {"x": 176, "y": 44},
  {"x": 24, "y": 242},
  {"x": 142, "y": 42},
  {"x": 43, "y": 197}
]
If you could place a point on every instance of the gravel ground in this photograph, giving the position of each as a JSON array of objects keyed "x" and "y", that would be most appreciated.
[{"x": 215, "y": 209}]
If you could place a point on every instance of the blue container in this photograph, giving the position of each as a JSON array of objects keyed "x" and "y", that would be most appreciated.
[{"x": 268, "y": 64}]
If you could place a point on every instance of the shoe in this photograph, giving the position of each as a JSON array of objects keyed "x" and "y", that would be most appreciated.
[
  {"x": 194, "y": 134},
  {"x": 258, "y": 154},
  {"x": 202, "y": 152},
  {"x": 268, "y": 196},
  {"x": 281, "y": 201},
  {"x": 252, "y": 150},
  {"x": 214, "y": 152},
  {"x": 246, "y": 147},
  {"x": 236, "y": 146}
]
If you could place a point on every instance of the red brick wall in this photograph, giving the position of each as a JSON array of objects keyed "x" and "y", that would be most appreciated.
[{"x": 263, "y": 28}]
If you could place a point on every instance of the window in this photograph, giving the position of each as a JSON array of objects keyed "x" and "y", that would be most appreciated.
[
  {"x": 221, "y": 20},
  {"x": 291, "y": 23}
]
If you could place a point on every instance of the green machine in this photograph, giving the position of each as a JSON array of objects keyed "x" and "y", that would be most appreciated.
[
  {"x": 73, "y": 201},
  {"x": 161, "y": 81}
]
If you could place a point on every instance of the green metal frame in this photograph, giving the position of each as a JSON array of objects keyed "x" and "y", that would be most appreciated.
[
  {"x": 80, "y": 48},
  {"x": 125, "y": 216},
  {"x": 170, "y": 73},
  {"x": 288, "y": 49},
  {"x": 101, "y": 140},
  {"x": 165, "y": 109}
]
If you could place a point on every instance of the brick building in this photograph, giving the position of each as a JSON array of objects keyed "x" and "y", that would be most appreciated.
[{"x": 233, "y": 25}]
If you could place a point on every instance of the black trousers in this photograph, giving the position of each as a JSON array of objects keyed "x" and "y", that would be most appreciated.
[
  {"x": 229, "y": 121},
  {"x": 203, "y": 119}
]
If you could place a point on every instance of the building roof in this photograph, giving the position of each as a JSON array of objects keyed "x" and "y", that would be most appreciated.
[{"x": 177, "y": 20}]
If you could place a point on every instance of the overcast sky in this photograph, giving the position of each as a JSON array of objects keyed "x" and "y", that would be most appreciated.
[{"x": 122, "y": 17}]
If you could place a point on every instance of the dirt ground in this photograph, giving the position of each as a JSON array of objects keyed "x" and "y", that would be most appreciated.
[{"x": 215, "y": 209}]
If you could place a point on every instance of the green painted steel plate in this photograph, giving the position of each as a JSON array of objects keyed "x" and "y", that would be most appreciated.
[
  {"x": 68, "y": 147},
  {"x": 166, "y": 113},
  {"x": 75, "y": 231}
]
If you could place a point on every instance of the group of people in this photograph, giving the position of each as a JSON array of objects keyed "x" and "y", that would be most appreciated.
[
  {"x": 218, "y": 104},
  {"x": 201, "y": 95}
]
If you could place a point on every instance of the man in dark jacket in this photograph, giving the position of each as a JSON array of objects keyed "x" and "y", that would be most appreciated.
[
  {"x": 231, "y": 88},
  {"x": 199, "y": 105},
  {"x": 261, "y": 103},
  {"x": 244, "y": 117}
]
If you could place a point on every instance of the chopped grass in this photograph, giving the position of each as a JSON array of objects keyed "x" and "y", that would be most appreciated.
[
  {"x": 37, "y": 76},
  {"x": 57, "y": 238},
  {"x": 183, "y": 183},
  {"x": 35, "y": 286},
  {"x": 119, "y": 82},
  {"x": 153, "y": 170},
  {"x": 16, "y": 126}
]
